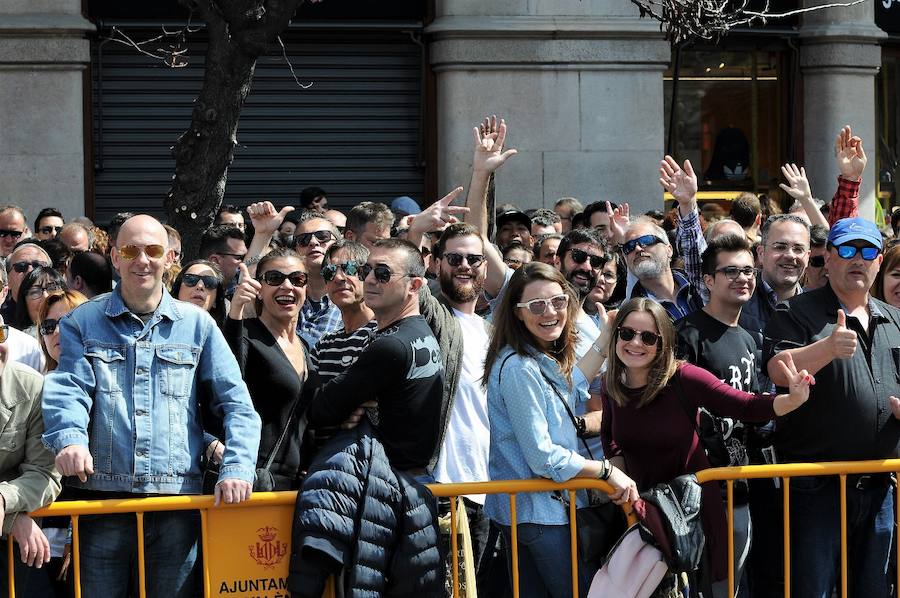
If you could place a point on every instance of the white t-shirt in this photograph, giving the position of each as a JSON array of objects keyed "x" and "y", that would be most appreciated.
[
  {"x": 25, "y": 349},
  {"x": 466, "y": 448},
  {"x": 588, "y": 332}
]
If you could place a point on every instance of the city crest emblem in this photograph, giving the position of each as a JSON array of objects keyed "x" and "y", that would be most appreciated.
[{"x": 268, "y": 551}]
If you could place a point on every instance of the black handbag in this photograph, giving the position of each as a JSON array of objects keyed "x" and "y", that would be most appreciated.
[
  {"x": 265, "y": 481},
  {"x": 670, "y": 520},
  {"x": 599, "y": 525}
]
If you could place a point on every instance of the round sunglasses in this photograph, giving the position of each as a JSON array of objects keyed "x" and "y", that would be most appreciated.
[
  {"x": 627, "y": 334},
  {"x": 456, "y": 259}
]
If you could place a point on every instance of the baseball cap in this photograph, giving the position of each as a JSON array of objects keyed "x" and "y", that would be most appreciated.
[
  {"x": 513, "y": 216},
  {"x": 854, "y": 229},
  {"x": 405, "y": 204}
]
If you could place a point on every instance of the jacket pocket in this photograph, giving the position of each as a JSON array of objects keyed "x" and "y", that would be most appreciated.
[
  {"x": 108, "y": 363},
  {"x": 12, "y": 443},
  {"x": 176, "y": 369}
]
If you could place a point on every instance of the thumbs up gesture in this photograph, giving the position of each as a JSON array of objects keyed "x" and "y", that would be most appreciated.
[
  {"x": 246, "y": 292},
  {"x": 842, "y": 339}
]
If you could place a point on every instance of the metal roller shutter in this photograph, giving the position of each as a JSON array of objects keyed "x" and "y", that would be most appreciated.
[{"x": 356, "y": 132}]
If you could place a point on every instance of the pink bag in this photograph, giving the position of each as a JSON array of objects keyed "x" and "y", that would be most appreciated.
[{"x": 633, "y": 569}]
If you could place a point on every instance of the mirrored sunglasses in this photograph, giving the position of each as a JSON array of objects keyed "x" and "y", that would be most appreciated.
[
  {"x": 643, "y": 241},
  {"x": 350, "y": 268},
  {"x": 848, "y": 252}
]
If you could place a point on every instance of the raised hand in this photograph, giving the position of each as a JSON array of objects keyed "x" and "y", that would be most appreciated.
[
  {"x": 798, "y": 385},
  {"x": 681, "y": 183},
  {"x": 842, "y": 339},
  {"x": 438, "y": 215},
  {"x": 798, "y": 184},
  {"x": 246, "y": 292},
  {"x": 619, "y": 220},
  {"x": 489, "y": 140},
  {"x": 265, "y": 218},
  {"x": 607, "y": 319},
  {"x": 851, "y": 157}
]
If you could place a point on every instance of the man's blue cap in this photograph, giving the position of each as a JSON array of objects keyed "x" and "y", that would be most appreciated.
[
  {"x": 405, "y": 204},
  {"x": 854, "y": 229}
]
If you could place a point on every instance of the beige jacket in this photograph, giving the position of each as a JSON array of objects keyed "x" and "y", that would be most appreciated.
[{"x": 28, "y": 477}]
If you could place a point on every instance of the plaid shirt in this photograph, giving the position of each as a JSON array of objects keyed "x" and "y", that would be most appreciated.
[
  {"x": 845, "y": 203},
  {"x": 318, "y": 318},
  {"x": 691, "y": 245}
]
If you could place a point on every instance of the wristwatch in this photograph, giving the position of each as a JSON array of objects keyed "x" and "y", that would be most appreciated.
[
  {"x": 580, "y": 426},
  {"x": 607, "y": 470}
]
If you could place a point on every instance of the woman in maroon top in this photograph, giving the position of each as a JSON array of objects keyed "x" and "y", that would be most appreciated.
[{"x": 646, "y": 431}]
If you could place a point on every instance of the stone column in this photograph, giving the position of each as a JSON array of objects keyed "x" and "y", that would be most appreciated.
[
  {"x": 839, "y": 58},
  {"x": 580, "y": 84},
  {"x": 43, "y": 57}
]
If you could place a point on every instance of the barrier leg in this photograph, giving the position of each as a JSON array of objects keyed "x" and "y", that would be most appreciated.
[
  {"x": 454, "y": 547},
  {"x": 142, "y": 573},
  {"x": 204, "y": 538},
  {"x": 10, "y": 566},
  {"x": 730, "y": 499},
  {"x": 76, "y": 556},
  {"x": 514, "y": 540},
  {"x": 844, "y": 535},
  {"x": 786, "y": 499},
  {"x": 573, "y": 539}
]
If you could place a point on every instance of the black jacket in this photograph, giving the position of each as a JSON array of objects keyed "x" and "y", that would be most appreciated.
[{"x": 355, "y": 513}]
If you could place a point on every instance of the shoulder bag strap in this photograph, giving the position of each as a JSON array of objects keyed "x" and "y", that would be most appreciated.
[
  {"x": 569, "y": 411},
  {"x": 287, "y": 424}
]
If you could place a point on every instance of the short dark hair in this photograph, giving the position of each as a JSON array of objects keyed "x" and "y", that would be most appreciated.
[
  {"x": 895, "y": 220},
  {"x": 745, "y": 209},
  {"x": 115, "y": 223},
  {"x": 727, "y": 243},
  {"x": 357, "y": 251},
  {"x": 369, "y": 211},
  {"x": 310, "y": 194},
  {"x": 215, "y": 239},
  {"x": 415, "y": 265},
  {"x": 540, "y": 241},
  {"x": 59, "y": 253},
  {"x": 778, "y": 218},
  {"x": 545, "y": 217},
  {"x": 580, "y": 221},
  {"x": 228, "y": 209},
  {"x": 94, "y": 269},
  {"x": 46, "y": 213},
  {"x": 818, "y": 235},
  {"x": 457, "y": 229},
  {"x": 593, "y": 208},
  {"x": 579, "y": 236}
]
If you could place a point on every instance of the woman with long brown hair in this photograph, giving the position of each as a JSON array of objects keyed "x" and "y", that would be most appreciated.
[
  {"x": 533, "y": 382},
  {"x": 650, "y": 402}
]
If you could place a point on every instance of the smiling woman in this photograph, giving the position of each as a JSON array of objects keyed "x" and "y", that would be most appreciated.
[{"x": 201, "y": 282}]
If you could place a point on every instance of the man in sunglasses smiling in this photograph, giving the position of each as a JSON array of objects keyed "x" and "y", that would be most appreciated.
[
  {"x": 122, "y": 415},
  {"x": 12, "y": 228},
  {"x": 24, "y": 258}
]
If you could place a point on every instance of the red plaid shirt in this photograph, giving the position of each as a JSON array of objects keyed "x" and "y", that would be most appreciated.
[{"x": 845, "y": 203}]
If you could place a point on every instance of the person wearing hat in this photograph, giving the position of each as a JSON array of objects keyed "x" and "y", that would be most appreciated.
[
  {"x": 850, "y": 342},
  {"x": 513, "y": 225}
]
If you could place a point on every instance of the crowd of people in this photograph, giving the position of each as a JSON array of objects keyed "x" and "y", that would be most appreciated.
[{"x": 357, "y": 357}]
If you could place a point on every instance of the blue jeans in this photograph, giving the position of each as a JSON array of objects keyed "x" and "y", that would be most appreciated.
[
  {"x": 545, "y": 562},
  {"x": 171, "y": 553},
  {"x": 816, "y": 536}
]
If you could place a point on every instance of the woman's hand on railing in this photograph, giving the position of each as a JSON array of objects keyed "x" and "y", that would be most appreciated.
[
  {"x": 34, "y": 547},
  {"x": 625, "y": 488}
]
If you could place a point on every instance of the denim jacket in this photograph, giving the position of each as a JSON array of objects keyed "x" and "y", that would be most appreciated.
[{"x": 128, "y": 391}]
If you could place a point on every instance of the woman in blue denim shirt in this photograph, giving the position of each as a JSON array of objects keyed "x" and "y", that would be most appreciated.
[{"x": 530, "y": 369}]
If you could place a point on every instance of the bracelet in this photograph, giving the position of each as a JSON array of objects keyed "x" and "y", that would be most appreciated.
[
  {"x": 253, "y": 260},
  {"x": 607, "y": 470},
  {"x": 599, "y": 351}
]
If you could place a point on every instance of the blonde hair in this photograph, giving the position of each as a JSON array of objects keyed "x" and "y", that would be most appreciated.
[{"x": 663, "y": 366}]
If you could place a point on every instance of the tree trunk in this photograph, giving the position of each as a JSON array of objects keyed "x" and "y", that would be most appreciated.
[{"x": 239, "y": 32}]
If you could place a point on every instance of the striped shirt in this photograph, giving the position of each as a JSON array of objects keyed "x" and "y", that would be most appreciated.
[{"x": 338, "y": 350}]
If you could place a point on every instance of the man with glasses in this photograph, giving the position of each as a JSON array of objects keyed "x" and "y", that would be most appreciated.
[
  {"x": 24, "y": 258},
  {"x": 816, "y": 276},
  {"x": 401, "y": 368},
  {"x": 711, "y": 338},
  {"x": 312, "y": 237},
  {"x": 122, "y": 414},
  {"x": 567, "y": 208},
  {"x": 12, "y": 228},
  {"x": 850, "y": 341},
  {"x": 48, "y": 224},
  {"x": 224, "y": 246}
]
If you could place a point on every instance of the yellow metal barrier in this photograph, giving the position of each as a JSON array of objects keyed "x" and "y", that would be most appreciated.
[
  {"x": 246, "y": 546},
  {"x": 786, "y": 471}
]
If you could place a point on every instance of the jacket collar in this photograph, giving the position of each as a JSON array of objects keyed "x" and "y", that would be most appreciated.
[{"x": 167, "y": 307}]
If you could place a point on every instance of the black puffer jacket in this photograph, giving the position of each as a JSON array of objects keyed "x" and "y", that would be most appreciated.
[{"x": 355, "y": 513}]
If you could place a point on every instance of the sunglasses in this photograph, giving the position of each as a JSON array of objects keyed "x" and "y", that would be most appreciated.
[
  {"x": 46, "y": 230},
  {"x": 23, "y": 267},
  {"x": 817, "y": 261},
  {"x": 732, "y": 272},
  {"x": 274, "y": 278},
  {"x": 4, "y": 332},
  {"x": 350, "y": 268},
  {"x": 644, "y": 241},
  {"x": 580, "y": 257},
  {"x": 322, "y": 236},
  {"x": 49, "y": 326},
  {"x": 848, "y": 252},
  {"x": 456, "y": 259},
  {"x": 382, "y": 273},
  {"x": 15, "y": 234},
  {"x": 132, "y": 252},
  {"x": 539, "y": 306},
  {"x": 37, "y": 291},
  {"x": 191, "y": 280},
  {"x": 626, "y": 334}
]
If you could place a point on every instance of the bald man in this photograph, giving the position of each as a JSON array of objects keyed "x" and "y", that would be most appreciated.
[{"x": 132, "y": 361}]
